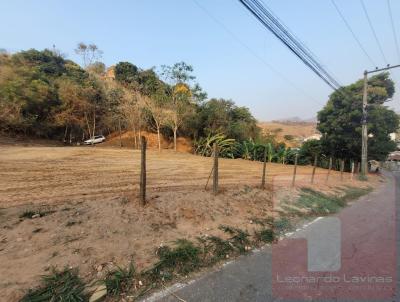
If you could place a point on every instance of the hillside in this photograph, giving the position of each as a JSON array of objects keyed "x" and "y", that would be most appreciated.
[{"x": 283, "y": 130}]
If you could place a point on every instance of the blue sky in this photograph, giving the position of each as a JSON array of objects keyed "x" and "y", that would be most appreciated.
[{"x": 230, "y": 56}]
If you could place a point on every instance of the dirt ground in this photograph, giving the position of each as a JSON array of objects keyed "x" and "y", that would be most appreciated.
[{"x": 90, "y": 216}]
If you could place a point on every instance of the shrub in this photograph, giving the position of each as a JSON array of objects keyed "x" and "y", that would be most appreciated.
[
  {"x": 119, "y": 280},
  {"x": 183, "y": 258},
  {"x": 58, "y": 287},
  {"x": 265, "y": 235},
  {"x": 239, "y": 239}
]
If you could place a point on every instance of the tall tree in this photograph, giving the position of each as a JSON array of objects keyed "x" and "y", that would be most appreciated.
[
  {"x": 179, "y": 76},
  {"x": 89, "y": 53},
  {"x": 156, "y": 106},
  {"x": 340, "y": 120}
]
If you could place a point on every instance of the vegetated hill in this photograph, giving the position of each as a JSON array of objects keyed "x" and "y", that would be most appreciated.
[{"x": 292, "y": 133}]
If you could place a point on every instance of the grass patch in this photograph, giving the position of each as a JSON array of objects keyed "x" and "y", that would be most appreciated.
[
  {"x": 29, "y": 214},
  {"x": 265, "y": 235},
  {"x": 291, "y": 211},
  {"x": 59, "y": 286},
  {"x": 318, "y": 203},
  {"x": 215, "y": 249},
  {"x": 119, "y": 280},
  {"x": 182, "y": 259},
  {"x": 269, "y": 221},
  {"x": 239, "y": 239},
  {"x": 281, "y": 225},
  {"x": 351, "y": 193}
]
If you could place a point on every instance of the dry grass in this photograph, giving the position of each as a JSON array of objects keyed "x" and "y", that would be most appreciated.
[
  {"x": 93, "y": 219},
  {"x": 297, "y": 130}
]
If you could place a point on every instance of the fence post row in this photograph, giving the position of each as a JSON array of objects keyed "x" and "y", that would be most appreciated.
[
  {"x": 264, "y": 168},
  {"x": 314, "y": 168},
  {"x": 215, "y": 170},
  {"x": 143, "y": 170},
  {"x": 295, "y": 169}
]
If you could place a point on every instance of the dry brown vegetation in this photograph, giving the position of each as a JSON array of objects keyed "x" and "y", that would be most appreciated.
[
  {"x": 299, "y": 130},
  {"x": 86, "y": 214}
]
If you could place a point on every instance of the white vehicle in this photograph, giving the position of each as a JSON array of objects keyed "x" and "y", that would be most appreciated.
[{"x": 95, "y": 140}]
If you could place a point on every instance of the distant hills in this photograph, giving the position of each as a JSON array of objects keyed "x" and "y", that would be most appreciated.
[
  {"x": 297, "y": 119},
  {"x": 291, "y": 131}
]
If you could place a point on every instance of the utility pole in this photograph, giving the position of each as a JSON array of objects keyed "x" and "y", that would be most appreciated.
[{"x": 364, "y": 150}]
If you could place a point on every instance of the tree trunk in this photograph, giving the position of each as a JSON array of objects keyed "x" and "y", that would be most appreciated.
[
  {"x": 120, "y": 135},
  {"x": 158, "y": 138},
  {"x": 139, "y": 127},
  {"x": 175, "y": 130},
  {"x": 139, "y": 136},
  {"x": 88, "y": 125},
  {"x": 94, "y": 125},
  {"x": 143, "y": 145},
  {"x": 65, "y": 133},
  {"x": 134, "y": 137}
]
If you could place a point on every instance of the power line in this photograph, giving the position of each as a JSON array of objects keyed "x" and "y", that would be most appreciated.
[
  {"x": 268, "y": 20},
  {"x": 394, "y": 30},
  {"x": 296, "y": 46},
  {"x": 353, "y": 33},
  {"x": 238, "y": 40},
  {"x": 295, "y": 40},
  {"x": 373, "y": 31}
]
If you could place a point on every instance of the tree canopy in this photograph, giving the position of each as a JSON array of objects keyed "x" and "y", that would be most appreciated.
[
  {"x": 44, "y": 94},
  {"x": 340, "y": 120}
]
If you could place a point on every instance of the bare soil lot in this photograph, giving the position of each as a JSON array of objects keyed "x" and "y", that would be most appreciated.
[{"x": 86, "y": 213}]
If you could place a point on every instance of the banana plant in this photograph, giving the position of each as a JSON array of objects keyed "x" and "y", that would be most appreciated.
[
  {"x": 270, "y": 152},
  {"x": 226, "y": 146},
  {"x": 281, "y": 155}
]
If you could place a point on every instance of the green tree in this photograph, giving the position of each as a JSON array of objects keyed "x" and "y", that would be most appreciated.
[
  {"x": 179, "y": 77},
  {"x": 340, "y": 120},
  {"x": 126, "y": 73},
  {"x": 309, "y": 150},
  {"x": 223, "y": 116}
]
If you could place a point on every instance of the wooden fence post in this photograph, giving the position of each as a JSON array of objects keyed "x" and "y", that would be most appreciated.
[
  {"x": 329, "y": 169},
  {"x": 120, "y": 135},
  {"x": 341, "y": 169},
  {"x": 215, "y": 170},
  {"x": 314, "y": 168},
  {"x": 352, "y": 170},
  {"x": 143, "y": 171},
  {"x": 295, "y": 169},
  {"x": 264, "y": 169}
]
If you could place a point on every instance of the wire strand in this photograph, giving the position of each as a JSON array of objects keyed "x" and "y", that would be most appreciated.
[
  {"x": 353, "y": 33},
  {"x": 394, "y": 30},
  {"x": 373, "y": 31},
  {"x": 269, "y": 21},
  {"x": 251, "y": 51}
]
